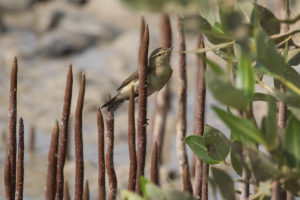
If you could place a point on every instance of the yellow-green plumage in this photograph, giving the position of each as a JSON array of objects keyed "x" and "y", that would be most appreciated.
[{"x": 159, "y": 72}]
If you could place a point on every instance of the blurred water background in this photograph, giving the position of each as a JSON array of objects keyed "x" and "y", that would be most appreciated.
[{"x": 101, "y": 39}]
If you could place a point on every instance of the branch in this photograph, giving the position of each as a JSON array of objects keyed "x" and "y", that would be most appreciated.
[
  {"x": 101, "y": 158},
  {"x": 131, "y": 142},
  {"x": 112, "y": 179},
  {"x": 199, "y": 124},
  {"x": 20, "y": 163},
  {"x": 181, "y": 115},
  {"x": 12, "y": 123},
  {"x": 79, "y": 161},
  {"x": 142, "y": 112},
  {"x": 63, "y": 136},
  {"x": 52, "y": 164}
]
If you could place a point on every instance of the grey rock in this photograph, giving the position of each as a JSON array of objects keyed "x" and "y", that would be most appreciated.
[
  {"x": 15, "y": 5},
  {"x": 65, "y": 30},
  {"x": 62, "y": 42},
  {"x": 20, "y": 44},
  {"x": 78, "y": 2}
]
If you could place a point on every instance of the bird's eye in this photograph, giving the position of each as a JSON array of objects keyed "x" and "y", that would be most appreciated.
[{"x": 159, "y": 54}]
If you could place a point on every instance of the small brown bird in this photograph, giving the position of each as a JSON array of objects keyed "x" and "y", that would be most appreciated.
[{"x": 159, "y": 72}]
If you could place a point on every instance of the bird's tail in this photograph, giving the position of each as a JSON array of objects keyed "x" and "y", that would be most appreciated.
[{"x": 113, "y": 104}]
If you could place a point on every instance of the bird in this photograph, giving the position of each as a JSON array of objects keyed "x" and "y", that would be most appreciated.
[{"x": 159, "y": 72}]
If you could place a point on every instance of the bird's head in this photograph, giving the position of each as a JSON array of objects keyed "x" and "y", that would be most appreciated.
[{"x": 160, "y": 56}]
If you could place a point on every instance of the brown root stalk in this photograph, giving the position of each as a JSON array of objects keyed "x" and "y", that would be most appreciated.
[
  {"x": 201, "y": 169},
  {"x": 12, "y": 124},
  {"x": 162, "y": 100},
  {"x": 154, "y": 170},
  {"x": 63, "y": 136},
  {"x": 86, "y": 191},
  {"x": 52, "y": 164},
  {"x": 7, "y": 179},
  {"x": 20, "y": 163},
  {"x": 131, "y": 142},
  {"x": 109, "y": 161},
  {"x": 181, "y": 115},
  {"x": 79, "y": 161},
  {"x": 142, "y": 110},
  {"x": 101, "y": 158}
]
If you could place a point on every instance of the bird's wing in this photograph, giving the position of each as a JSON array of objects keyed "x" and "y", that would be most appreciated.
[{"x": 134, "y": 76}]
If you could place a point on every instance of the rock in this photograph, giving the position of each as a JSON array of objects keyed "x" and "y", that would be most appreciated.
[
  {"x": 18, "y": 44},
  {"x": 62, "y": 42},
  {"x": 64, "y": 30},
  {"x": 15, "y": 5},
  {"x": 78, "y": 2}
]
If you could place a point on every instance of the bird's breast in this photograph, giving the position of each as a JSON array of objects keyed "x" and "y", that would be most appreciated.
[{"x": 158, "y": 79}]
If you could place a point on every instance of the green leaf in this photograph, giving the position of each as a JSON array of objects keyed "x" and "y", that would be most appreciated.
[
  {"x": 236, "y": 157},
  {"x": 225, "y": 92},
  {"x": 214, "y": 66},
  {"x": 295, "y": 111},
  {"x": 267, "y": 20},
  {"x": 292, "y": 142},
  {"x": 154, "y": 192},
  {"x": 177, "y": 195},
  {"x": 271, "y": 135},
  {"x": 217, "y": 28},
  {"x": 246, "y": 8},
  {"x": 292, "y": 100},
  {"x": 290, "y": 74},
  {"x": 245, "y": 128},
  {"x": 216, "y": 143},
  {"x": 268, "y": 55},
  {"x": 197, "y": 145},
  {"x": 208, "y": 9},
  {"x": 245, "y": 76},
  {"x": 144, "y": 182},
  {"x": 129, "y": 195},
  {"x": 262, "y": 166},
  {"x": 294, "y": 57},
  {"x": 224, "y": 183},
  {"x": 262, "y": 97},
  {"x": 237, "y": 50},
  {"x": 217, "y": 38}
]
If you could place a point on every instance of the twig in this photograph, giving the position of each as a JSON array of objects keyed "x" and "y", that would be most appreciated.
[
  {"x": 205, "y": 171},
  {"x": 7, "y": 179},
  {"x": 101, "y": 159},
  {"x": 20, "y": 163},
  {"x": 289, "y": 196},
  {"x": 154, "y": 170},
  {"x": 162, "y": 100},
  {"x": 142, "y": 110},
  {"x": 86, "y": 191},
  {"x": 12, "y": 123},
  {"x": 199, "y": 124},
  {"x": 52, "y": 164},
  {"x": 112, "y": 179},
  {"x": 181, "y": 115},
  {"x": 142, "y": 28},
  {"x": 282, "y": 109},
  {"x": 131, "y": 142},
  {"x": 69, "y": 142},
  {"x": 66, "y": 192},
  {"x": 63, "y": 136},
  {"x": 79, "y": 162}
]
